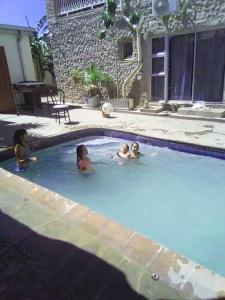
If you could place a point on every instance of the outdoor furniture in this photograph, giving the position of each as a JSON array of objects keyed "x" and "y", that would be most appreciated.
[
  {"x": 56, "y": 99},
  {"x": 31, "y": 91}
]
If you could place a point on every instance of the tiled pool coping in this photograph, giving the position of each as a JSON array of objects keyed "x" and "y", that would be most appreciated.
[
  {"x": 174, "y": 145},
  {"x": 177, "y": 271}
]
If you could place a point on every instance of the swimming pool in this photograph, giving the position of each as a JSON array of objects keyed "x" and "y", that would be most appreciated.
[{"x": 171, "y": 197}]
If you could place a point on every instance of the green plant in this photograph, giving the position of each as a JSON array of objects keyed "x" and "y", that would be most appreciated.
[
  {"x": 107, "y": 19},
  {"x": 108, "y": 85},
  {"x": 77, "y": 75},
  {"x": 94, "y": 80},
  {"x": 134, "y": 18},
  {"x": 111, "y": 7},
  {"x": 101, "y": 34},
  {"x": 41, "y": 50},
  {"x": 107, "y": 79}
]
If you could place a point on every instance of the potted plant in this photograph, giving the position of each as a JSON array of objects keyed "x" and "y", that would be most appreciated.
[{"x": 94, "y": 81}]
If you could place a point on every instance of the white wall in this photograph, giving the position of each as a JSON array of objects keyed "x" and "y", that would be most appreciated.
[{"x": 8, "y": 39}]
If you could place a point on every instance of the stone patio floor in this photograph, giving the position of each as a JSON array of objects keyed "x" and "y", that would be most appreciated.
[
  {"x": 204, "y": 132},
  {"x": 51, "y": 250}
]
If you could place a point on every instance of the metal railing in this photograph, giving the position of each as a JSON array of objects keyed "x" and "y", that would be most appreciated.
[{"x": 67, "y": 6}]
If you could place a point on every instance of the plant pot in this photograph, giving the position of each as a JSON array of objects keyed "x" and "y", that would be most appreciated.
[{"x": 92, "y": 101}]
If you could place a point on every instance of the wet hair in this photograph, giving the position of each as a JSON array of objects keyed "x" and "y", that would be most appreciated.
[
  {"x": 134, "y": 143},
  {"x": 18, "y": 135},
  {"x": 79, "y": 152},
  {"x": 127, "y": 146}
]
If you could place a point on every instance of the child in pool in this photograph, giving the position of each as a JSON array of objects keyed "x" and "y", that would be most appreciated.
[
  {"x": 83, "y": 161},
  {"x": 22, "y": 150},
  {"x": 134, "y": 153},
  {"x": 124, "y": 152}
]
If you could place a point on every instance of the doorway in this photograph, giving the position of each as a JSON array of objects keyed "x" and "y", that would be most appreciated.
[{"x": 7, "y": 102}]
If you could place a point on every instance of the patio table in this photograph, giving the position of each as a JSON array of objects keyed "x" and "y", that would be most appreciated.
[{"x": 33, "y": 88}]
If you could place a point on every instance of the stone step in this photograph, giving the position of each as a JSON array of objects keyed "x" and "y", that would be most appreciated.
[
  {"x": 152, "y": 109},
  {"x": 207, "y": 112}
]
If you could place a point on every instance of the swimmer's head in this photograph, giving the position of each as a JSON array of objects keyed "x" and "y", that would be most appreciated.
[
  {"x": 82, "y": 152},
  {"x": 135, "y": 147},
  {"x": 124, "y": 148},
  {"x": 20, "y": 136}
]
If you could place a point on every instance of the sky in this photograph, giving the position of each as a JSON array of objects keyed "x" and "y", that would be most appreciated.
[{"x": 14, "y": 12}]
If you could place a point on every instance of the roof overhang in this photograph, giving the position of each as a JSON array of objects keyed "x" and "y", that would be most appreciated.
[{"x": 7, "y": 27}]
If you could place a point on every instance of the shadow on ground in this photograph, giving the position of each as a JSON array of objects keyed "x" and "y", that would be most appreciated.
[
  {"x": 35, "y": 267},
  {"x": 7, "y": 129}
]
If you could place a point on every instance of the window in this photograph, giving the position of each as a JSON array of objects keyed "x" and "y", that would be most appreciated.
[
  {"x": 68, "y": 6},
  {"x": 204, "y": 81},
  {"x": 126, "y": 50},
  {"x": 159, "y": 68},
  {"x": 158, "y": 65},
  {"x": 158, "y": 45},
  {"x": 189, "y": 67}
]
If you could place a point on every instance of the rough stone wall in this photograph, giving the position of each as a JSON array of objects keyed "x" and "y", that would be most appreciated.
[{"x": 75, "y": 43}]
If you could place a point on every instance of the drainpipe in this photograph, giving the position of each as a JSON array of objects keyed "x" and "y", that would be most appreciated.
[
  {"x": 139, "y": 51},
  {"x": 18, "y": 40}
]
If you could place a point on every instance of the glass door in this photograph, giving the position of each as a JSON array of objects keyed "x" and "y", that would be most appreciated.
[
  {"x": 209, "y": 69},
  {"x": 181, "y": 62}
]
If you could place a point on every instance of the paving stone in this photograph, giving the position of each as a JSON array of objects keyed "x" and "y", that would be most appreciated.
[
  {"x": 57, "y": 229},
  {"x": 8, "y": 205},
  {"x": 171, "y": 267},
  {"x": 116, "y": 235},
  {"x": 77, "y": 213},
  {"x": 34, "y": 216},
  {"x": 140, "y": 280},
  {"x": 112, "y": 257},
  {"x": 94, "y": 223},
  {"x": 204, "y": 283},
  {"x": 140, "y": 249},
  {"x": 159, "y": 289}
]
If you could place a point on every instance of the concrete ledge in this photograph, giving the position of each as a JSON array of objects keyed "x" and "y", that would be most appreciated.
[
  {"x": 210, "y": 112},
  {"x": 127, "y": 103}
]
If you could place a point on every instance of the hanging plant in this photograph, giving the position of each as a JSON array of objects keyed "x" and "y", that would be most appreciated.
[
  {"x": 101, "y": 34},
  {"x": 134, "y": 18},
  {"x": 107, "y": 19},
  {"x": 111, "y": 7}
]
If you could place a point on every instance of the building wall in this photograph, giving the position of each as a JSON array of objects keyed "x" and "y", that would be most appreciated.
[
  {"x": 75, "y": 44},
  {"x": 8, "y": 39}
]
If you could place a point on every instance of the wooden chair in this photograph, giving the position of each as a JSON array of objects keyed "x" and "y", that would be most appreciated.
[{"x": 56, "y": 100}]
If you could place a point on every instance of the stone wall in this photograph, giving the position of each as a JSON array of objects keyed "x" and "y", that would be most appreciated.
[{"x": 75, "y": 43}]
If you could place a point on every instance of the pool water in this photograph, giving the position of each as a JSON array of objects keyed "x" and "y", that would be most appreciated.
[{"x": 174, "y": 198}]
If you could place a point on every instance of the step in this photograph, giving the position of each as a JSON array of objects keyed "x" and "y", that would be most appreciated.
[
  {"x": 208, "y": 112},
  {"x": 152, "y": 109}
]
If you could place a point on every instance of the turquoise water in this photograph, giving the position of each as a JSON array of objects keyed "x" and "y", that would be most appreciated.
[{"x": 174, "y": 198}]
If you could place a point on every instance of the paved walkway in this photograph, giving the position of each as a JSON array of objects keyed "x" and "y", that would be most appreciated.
[{"x": 193, "y": 131}]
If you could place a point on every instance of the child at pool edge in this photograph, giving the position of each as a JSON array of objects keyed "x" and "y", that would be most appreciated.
[
  {"x": 134, "y": 153},
  {"x": 124, "y": 152},
  {"x": 21, "y": 149},
  {"x": 83, "y": 161}
]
